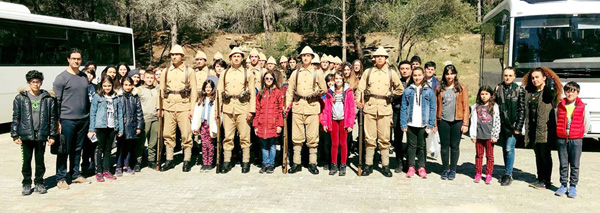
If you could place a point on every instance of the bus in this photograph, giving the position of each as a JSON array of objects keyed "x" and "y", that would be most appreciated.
[
  {"x": 37, "y": 42},
  {"x": 561, "y": 35}
]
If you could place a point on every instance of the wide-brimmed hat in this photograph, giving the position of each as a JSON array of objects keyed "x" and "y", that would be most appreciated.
[
  {"x": 381, "y": 52},
  {"x": 177, "y": 49},
  {"x": 308, "y": 50},
  {"x": 236, "y": 50},
  {"x": 200, "y": 55}
]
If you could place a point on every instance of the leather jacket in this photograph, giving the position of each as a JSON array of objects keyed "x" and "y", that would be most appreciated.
[
  {"x": 22, "y": 121},
  {"x": 133, "y": 117},
  {"x": 511, "y": 100}
]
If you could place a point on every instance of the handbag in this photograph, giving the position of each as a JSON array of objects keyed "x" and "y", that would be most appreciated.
[{"x": 59, "y": 147}]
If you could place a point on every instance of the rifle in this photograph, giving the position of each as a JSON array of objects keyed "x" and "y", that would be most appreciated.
[
  {"x": 284, "y": 147},
  {"x": 161, "y": 123},
  {"x": 219, "y": 145},
  {"x": 361, "y": 135}
]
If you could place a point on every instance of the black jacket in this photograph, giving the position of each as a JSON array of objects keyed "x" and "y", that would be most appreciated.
[
  {"x": 511, "y": 101},
  {"x": 22, "y": 121},
  {"x": 133, "y": 117}
]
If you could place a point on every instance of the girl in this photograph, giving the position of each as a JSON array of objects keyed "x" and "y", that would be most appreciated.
[
  {"x": 543, "y": 90},
  {"x": 136, "y": 77},
  {"x": 417, "y": 119},
  {"x": 133, "y": 124},
  {"x": 338, "y": 118},
  {"x": 292, "y": 65},
  {"x": 453, "y": 118},
  {"x": 357, "y": 68},
  {"x": 122, "y": 72},
  {"x": 105, "y": 122},
  {"x": 109, "y": 71},
  {"x": 204, "y": 123},
  {"x": 350, "y": 76},
  {"x": 484, "y": 131},
  {"x": 220, "y": 66},
  {"x": 268, "y": 122}
]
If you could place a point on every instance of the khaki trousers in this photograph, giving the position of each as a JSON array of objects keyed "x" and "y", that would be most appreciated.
[
  {"x": 231, "y": 123},
  {"x": 305, "y": 128},
  {"x": 174, "y": 119},
  {"x": 377, "y": 128}
]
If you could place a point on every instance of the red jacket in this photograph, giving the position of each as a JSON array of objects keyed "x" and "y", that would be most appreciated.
[
  {"x": 349, "y": 108},
  {"x": 269, "y": 113},
  {"x": 577, "y": 128}
]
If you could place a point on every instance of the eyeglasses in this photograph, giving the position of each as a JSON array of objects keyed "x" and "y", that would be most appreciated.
[
  {"x": 35, "y": 82},
  {"x": 269, "y": 79}
]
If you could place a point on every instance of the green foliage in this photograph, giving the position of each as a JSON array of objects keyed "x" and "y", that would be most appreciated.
[{"x": 280, "y": 45}]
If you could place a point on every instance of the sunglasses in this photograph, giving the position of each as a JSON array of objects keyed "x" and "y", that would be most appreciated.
[{"x": 269, "y": 79}]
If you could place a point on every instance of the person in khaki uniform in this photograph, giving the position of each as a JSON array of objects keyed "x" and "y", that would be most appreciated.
[
  {"x": 255, "y": 68},
  {"x": 262, "y": 60},
  {"x": 201, "y": 69},
  {"x": 375, "y": 92},
  {"x": 237, "y": 100},
  {"x": 305, "y": 88},
  {"x": 325, "y": 64},
  {"x": 178, "y": 91},
  {"x": 217, "y": 56},
  {"x": 283, "y": 61}
]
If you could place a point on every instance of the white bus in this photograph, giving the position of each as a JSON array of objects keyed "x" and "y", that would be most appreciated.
[
  {"x": 561, "y": 35},
  {"x": 29, "y": 42}
]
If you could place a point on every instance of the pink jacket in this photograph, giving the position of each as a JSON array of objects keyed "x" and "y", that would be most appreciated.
[{"x": 349, "y": 108}]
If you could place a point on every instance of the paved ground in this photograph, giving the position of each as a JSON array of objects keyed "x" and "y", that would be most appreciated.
[{"x": 151, "y": 191}]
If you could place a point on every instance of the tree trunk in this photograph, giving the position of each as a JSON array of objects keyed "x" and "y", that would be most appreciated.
[
  {"x": 354, "y": 24},
  {"x": 174, "y": 33},
  {"x": 149, "y": 36},
  {"x": 265, "y": 19},
  {"x": 128, "y": 15},
  {"x": 358, "y": 44},
  {"x": 344, "y": 21},
  {"x": 479, "y": 11}
]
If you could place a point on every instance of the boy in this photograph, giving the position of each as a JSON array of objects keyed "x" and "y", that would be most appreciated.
[
  {"x": 34, "y": 122},
  {"x": 572, "y": 123},
  {"x": 148, "y": 95}
]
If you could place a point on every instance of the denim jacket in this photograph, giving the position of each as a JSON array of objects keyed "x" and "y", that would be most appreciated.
[
  {"x": 428, "y": 106},
  {"x": 98, "y": 113}
]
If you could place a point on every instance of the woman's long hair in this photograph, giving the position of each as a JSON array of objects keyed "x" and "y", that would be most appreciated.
[
  {"x": 210, "y": 95},
  {"x": 491, "y": 102},
  {"x": 360, "y": 72},
  {"x": 263, "y": 87},
  {"x": 444, "y": 83},
  {"x": 424, "y": 83},
  {"x": 100, "y": 91},
  {"x": 549, "y": 74},
  {"x": 352, "y": 79}
]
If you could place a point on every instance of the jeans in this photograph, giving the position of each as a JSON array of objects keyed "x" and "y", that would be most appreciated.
[
  {"x": 74, "y": 132},
  {"x": 106, "y": 137},
  {"x": 569, "y": 154},
  {"x": 269, "y": 149},
  {"x": 416, "y": 146},
  {"x": 508, "y": 151},
  {"x": 29, "y": 149},
  {"x": 543, "y": 161},
  {"x": 124, "y": 151},
  {"x": 450, "y": 133}
]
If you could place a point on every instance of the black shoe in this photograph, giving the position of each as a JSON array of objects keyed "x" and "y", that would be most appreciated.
[
  {"x": 398, "y": 168},
  {"x": 326, "y": 166},
  {"x": 270, "y": 169},
  {"x": 137, "y": 168},
  {"x": 152, "y": 165},
  {"x": 168, "y": 165},
  {"x": 386, "y": 171},
  {"x": 506, "y": 180},
  {"x": 452, "y": 175},
  {"x": 186, "y": 166},
  {"x": 333, "y": 169},
  {"x": 27, "y": 190},
  {"x": 40, "y": 188},
  {"x": 245, "y": 167},
  {"x": 312, "y": 168},
  {"x": 367, "y": 170},
  {"x": 263, "y": 169},
  {"x": 199, "y": 160},
  {"x": 445, "y": 174},
  {"x": 342, "y": 169},
  {"x": 225, "y": 167},
  {"x": 295, "y": 168}
]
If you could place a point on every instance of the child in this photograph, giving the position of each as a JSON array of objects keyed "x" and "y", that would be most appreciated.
[
  {"x": 325, "y": 137},
  {"x": 205, "y": 124},
  {"x": 104, "y": 124},
  {"x": 417, "y": 119},
  {"x": 572, "y": 124},
  {"x": 34, "y": 122},
  {"x": 133, "y": 124},
  {"x": 338, "y": 118},
  {"x": 148, "y": 94},
  {"x": 268, "y": 122},
  {"x": 484, "y": 131}
]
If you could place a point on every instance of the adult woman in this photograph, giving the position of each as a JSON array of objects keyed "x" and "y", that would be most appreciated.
[
  {"x": 357, "y": 66},
  {"x": 349, "y": 76},
  {"x": 453, "y": 118},
  {"x": 542, "y": 92}
]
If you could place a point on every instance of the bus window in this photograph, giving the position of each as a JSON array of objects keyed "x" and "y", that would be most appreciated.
[
  {"x": 51, "y": 45},
  {"x": 126, "y": 49},
  {"x": 15, "y": 44}
]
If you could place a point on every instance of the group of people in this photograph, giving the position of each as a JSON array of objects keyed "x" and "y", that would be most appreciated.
[{"x": 319, "y": 99}]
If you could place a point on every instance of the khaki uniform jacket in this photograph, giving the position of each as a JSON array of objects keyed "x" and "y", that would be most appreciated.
[
  {"x": 379, "y": 84},
  {"x": 258, "y": 74},
  {"x": 235, "y": 86},
  {"x": 176, "y": 82},
  {"x": 304, "y": 77},
  {"x": 202, "y": 75}
]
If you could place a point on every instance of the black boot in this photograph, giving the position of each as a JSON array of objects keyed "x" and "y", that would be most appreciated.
[
  {"x": 399, "y": 167},
  {"x": 333, "y": 169},
  {"x": 326, "y": 166},
  {"x": 245, "y": 167},
  {"x": 506, "y": 180},
  {"x": 137, "y": 168},
  {"x": 199, "y": 160},
  {"x": 225, "y": 167},
  {"x": 151, "y": 165},
  {"x": 27, "y": 189},
  {"x": 386, "y": 171},
  {"x": 41, "y": 188},
  {"x": 186, "y": 166},
  {"x": 312, "y": 168},
  {"x": 342, "y": 169},
  {"x": 295, "y": 168},
  {"x": 367, "y": 170},
  {"x": 168, "y": 165}
]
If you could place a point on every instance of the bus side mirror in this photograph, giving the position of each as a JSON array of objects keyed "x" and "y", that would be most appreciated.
[{"x": 500, "y": 34}]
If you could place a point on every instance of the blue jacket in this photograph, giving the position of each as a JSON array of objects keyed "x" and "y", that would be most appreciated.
[
  {"x": 434, "y": 83},
  {"x": 132, "y": 116},
  {"x": 428, "y": 106},
  {"x": 98, "y": 113}
]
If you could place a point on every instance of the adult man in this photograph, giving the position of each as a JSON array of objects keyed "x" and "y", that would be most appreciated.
[
  {"x": 179, "y": 92},
  {"x": 217, "y": 56},
  {"x": 375, "y": 92},
  {"x": 237, "y": 99},
  {"x": 255, "y": 68},
  {"x": 325, "y": 64},
  {"x": 148, "y": 94},
  {"x": 70, "y": 88},
  {"x": 262, "y": 60},
  {"x": 284, "y": 63},
  {"x": 337, "y": 61},
  {"x": 405, "y": 72},
  {"x": 202, "y": 71},
  {"x": 510, "y": 98},
  {"x": 305, "y": 87}
]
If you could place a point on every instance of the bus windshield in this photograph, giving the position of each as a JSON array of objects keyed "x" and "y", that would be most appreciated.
[{"x": 568, "y": 44}]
